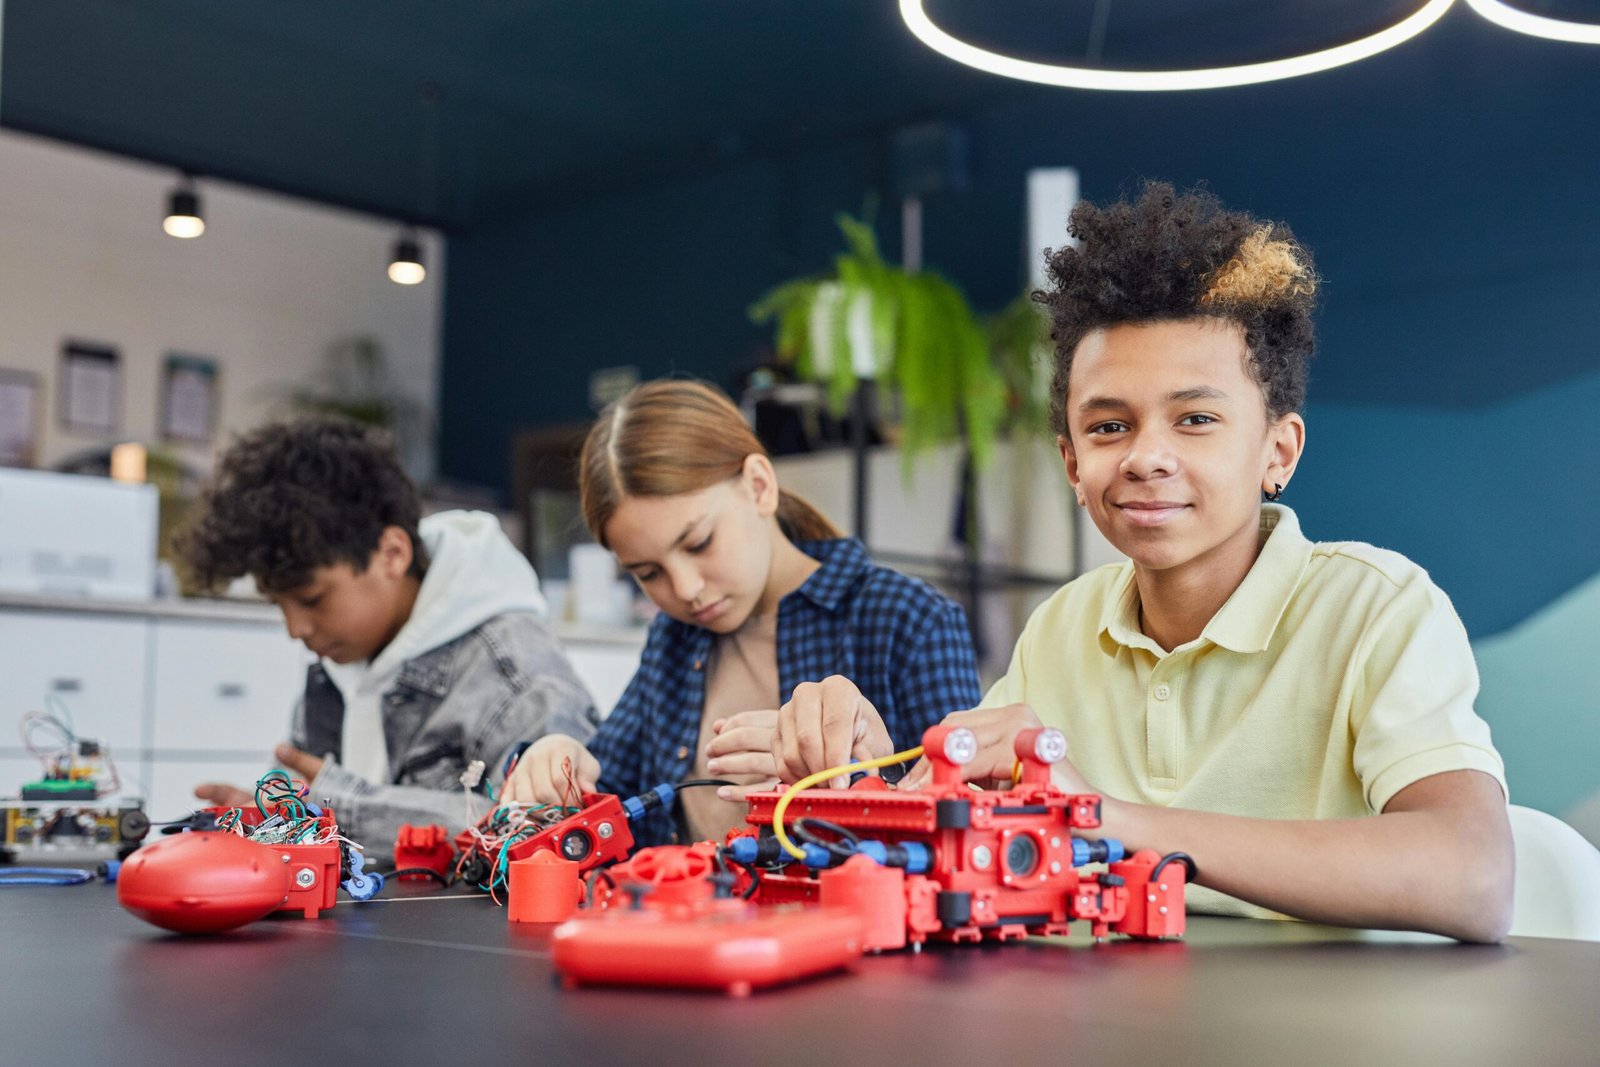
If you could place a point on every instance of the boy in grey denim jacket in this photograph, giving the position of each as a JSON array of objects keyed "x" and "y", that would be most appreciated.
[{"x": 432, "y": 646}]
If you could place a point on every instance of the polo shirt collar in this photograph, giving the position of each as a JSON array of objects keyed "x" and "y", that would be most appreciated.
[
  {"x": 1247, "y": 621},
  {"x": 844, "y": 562}
]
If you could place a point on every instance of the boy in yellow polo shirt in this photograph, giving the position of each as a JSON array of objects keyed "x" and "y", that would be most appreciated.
[{"x": 1296, "y": 716}]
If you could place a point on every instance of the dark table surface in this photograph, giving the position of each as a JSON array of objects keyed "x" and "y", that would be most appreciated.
[{"x": 425, "y": 976}]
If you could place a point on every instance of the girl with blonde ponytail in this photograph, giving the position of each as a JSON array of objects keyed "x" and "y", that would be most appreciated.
[{"x": 762, "y": 601}]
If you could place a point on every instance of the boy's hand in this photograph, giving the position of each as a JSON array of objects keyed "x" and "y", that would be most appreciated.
[
  {"x": 538, "y": 777},
  {"x": 742, "y": 749},
  {"x": 996, "y": 730},
  {"x": 827, "y": 724},
  {"x": 220, "y": 795},
  {"x": 303, "y": 765}
]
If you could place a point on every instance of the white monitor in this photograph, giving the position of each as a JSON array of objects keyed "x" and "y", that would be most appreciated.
[{"x": 76, "y": 535}]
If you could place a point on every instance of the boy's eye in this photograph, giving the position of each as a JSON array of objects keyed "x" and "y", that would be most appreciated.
[
  {"x": 646, "y": 576},
  {"x": 1197, "y": 420},
  {"x": 1107, "y": 427},
  {"x": 311, "y": 601},
  {"x": 695, "y": 550}
]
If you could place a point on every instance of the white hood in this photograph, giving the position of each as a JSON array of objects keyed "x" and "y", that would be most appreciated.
[{"x": 474, "y": 574}]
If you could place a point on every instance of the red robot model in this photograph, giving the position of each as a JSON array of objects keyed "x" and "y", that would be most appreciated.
[{"x": 873, "y": 869}]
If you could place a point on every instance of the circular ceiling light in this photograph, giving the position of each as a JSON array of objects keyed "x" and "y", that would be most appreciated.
[
  {"x": 918, "y": 22},
  {"x": 1502, "y": 14}
]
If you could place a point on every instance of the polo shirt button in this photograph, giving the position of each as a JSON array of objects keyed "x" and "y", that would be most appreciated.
[
  {"x": 1163, "y": 691},
  {"x": 683, "y": 751}
]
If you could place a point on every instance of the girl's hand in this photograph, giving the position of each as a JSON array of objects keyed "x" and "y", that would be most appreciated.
[
  {"x": 540, "y": 777},
  {"x": 827, "y": 724},
  {"x": 742, "y": 750}
]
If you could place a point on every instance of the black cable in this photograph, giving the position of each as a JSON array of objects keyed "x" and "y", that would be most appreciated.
[
  {"x": 844, "y": 848},
  {"x": 443, "y": 880},
  {"x": 594, "y": 878},
  {"x": 1184, "y": 858},
  {"x": 691, "y": 783}
]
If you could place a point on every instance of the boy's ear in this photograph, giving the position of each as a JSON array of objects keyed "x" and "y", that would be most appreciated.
[
  {"x": 393, "y": 555},
  {"x": 1069, "y": 460},
  {"x": 761, "y": 482},
  {"x": 1286, "y": 441}
]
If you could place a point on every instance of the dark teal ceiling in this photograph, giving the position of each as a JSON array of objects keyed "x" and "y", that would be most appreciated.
[{"x": 544, "y": 101}]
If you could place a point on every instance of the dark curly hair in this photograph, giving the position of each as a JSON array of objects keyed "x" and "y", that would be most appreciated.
[
  {"x": 291, "y": 497},
  {"x": 1163, "y": 257}
]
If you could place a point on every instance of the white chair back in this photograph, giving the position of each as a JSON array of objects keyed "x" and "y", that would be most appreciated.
[{"x": 1558, "y": 879}]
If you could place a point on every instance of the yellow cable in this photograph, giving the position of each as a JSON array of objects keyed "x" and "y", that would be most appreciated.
[{"x": 822, "y": 776}]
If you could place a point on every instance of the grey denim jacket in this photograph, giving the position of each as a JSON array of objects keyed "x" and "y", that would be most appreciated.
[{"x": 474, "y": 698}]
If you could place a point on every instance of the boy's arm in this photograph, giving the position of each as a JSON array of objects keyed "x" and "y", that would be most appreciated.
[{"x": 1439, "y": 858}]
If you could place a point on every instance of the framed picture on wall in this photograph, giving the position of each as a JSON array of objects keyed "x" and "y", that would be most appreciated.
[
  {"x": 90, "y": 388},
  {"x": 19, "y": 418},
  {"x": 189, "y": 398}
]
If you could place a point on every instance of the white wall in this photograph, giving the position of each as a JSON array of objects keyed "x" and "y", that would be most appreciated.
[
  {"x": 268, "y": 288},
  {"x": 1028, "y": 518}
]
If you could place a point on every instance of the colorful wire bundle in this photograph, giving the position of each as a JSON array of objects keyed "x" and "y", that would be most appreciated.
[
  {"x": 59, "y": 755},
  {"x": 503, "y": 828},
  {"x": 286, "y": 817}
]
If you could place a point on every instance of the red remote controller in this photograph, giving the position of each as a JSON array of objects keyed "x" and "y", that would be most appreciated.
[{"x": 721, "y": 944}]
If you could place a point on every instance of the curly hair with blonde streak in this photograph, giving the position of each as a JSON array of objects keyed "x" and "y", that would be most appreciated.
[
  {"x": 1263, "y": 271},
  {"x": 1163, "y": 256}
]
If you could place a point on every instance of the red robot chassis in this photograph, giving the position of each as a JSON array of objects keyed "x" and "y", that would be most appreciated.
[{"x": 947, "y": 862}]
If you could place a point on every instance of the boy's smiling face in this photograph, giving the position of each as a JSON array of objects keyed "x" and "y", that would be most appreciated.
[{"x": 1169, "y": 445}]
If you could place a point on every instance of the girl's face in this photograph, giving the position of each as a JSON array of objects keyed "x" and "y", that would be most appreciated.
[
  {"x": 704, "y": 558},
  {"x": 1169, "y": 446}
]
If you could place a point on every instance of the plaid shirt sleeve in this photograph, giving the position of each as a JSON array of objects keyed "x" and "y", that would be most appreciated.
[
  {"x": 935, "y": 672},
  {"x": 938, "y": 672},
  {"x": 619, "y": 743}
]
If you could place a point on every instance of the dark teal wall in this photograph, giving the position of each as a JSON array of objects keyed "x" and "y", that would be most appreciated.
[{"x": 1451, "y": 192}]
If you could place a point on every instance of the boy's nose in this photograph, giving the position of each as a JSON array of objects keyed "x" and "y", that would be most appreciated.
[
  {"x": 1149, "y": 456},
  {"x": 297, "y": 624}
]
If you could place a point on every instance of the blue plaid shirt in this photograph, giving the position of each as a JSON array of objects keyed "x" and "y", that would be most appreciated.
[{"x": 903, "y": 643}]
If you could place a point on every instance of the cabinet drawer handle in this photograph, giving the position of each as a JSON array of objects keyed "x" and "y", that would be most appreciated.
[
  {"x": 67, "y": 685},
  {"x": 230, "y": 689}
]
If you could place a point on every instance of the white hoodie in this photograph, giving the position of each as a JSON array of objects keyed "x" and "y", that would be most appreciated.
[{"x": 474, "y": 573}]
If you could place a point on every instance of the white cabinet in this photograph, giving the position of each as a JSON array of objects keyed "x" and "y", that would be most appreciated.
[
  {"x": 223, "y": 687},
  {"x": 172, "y": 780},
  {"x": 604, "y": 665},
  {"x": 221, "y": 695},
  {"x": 95, "y": 664},
  {"x": 182, "y": 694}
]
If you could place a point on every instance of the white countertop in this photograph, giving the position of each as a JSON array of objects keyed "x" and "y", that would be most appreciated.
[{"x": 219, "y": 609}]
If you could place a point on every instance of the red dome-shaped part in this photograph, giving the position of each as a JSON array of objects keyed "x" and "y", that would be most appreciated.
[{"x": 203, "y": 883}]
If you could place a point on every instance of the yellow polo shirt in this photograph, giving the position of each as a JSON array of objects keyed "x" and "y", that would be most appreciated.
[{"x": 1335, "y": 676}]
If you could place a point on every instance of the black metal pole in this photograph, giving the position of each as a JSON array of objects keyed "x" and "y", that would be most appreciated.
[{"x": 861, "y": 406}]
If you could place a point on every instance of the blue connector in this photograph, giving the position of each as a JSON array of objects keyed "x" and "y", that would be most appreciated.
[
  {"x": 360, "y": 885},
  {"x": 753, "y": 851},
  {"x": 659, "y": 797},
  {"x": 1105, "y": 850},
  {"x": 914, "y": 856}
]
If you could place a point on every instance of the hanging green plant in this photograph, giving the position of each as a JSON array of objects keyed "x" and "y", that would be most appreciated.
[{"x": 912, "y": 331}]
